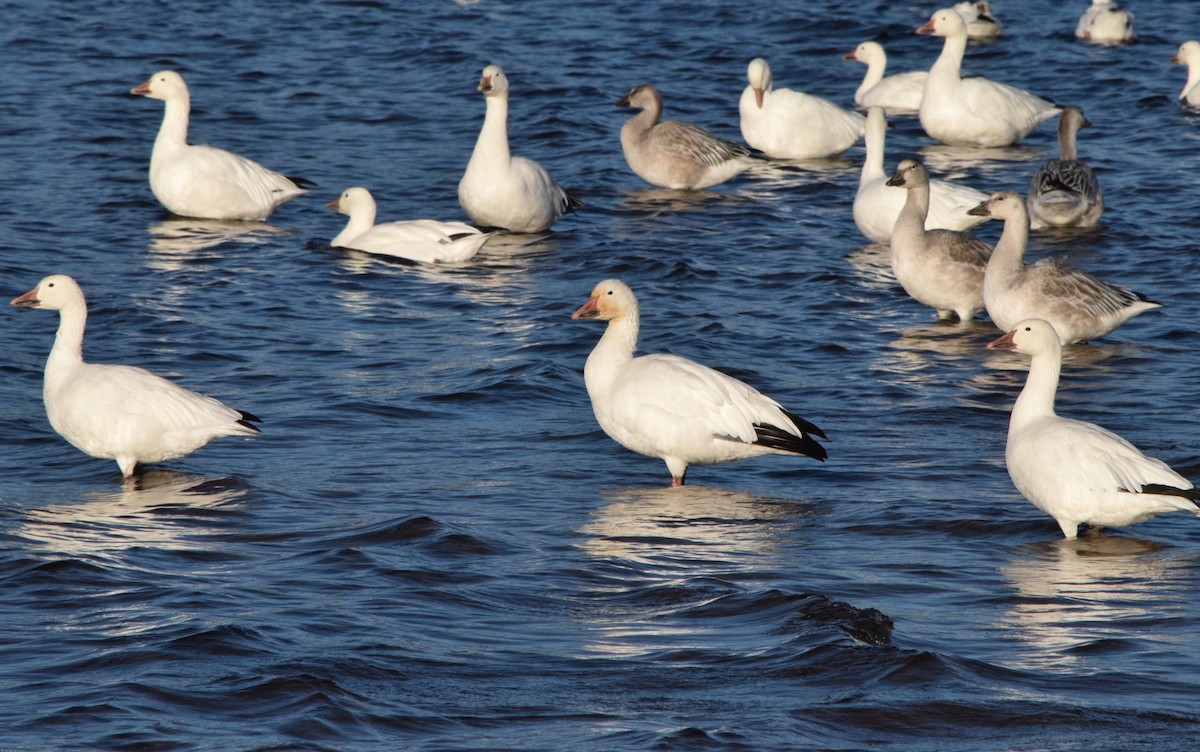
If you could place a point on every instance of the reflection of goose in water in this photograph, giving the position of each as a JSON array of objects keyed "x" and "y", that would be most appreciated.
[
  {"x": 673, "y": 546},
  {"x": 137, "y": 515},
  {"x": 1072, "y": 595},
  {"x": 172, "y": 240}
]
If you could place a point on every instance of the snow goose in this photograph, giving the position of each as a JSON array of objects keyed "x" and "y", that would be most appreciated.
[
  {"x": 981, "y": 24},
  {"x": 787, "y": 124},
  {"x": 972, "y": 111},
  {"x": 1077, "y": 472},
  {"x": 1080, "y": 306},
  {"x": 1189, "y": 55},
  {"x": 115, "y": 412},
  {"x": 1106, "y": 22},
  {"x": 499, "y": 189},
  {"x": 204, "y": 181},
  {"x": 674, "y": 154},
  {"x": 876, "y": 205},
  {"x": 425, "y": 240},
  {"x": 898, "y": 93},
  {"x": 1064, "y": 192},
  {"x": 673, "y": 408},
  {"x": 940, "y": 268}
]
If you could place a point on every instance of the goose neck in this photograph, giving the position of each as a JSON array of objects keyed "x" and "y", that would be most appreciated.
[
  {"x": 493, "y": 137},
  {"x": 949, "y": 63},
  {"x": 1067, "y": 129},
  {"x": 68, "y": 343},
  {"x": 1008, "y": 256},
  {"x": 174, "y": 129},
  {"x": 614, "y": 350},
  {"x": 1036, "y": 400}
]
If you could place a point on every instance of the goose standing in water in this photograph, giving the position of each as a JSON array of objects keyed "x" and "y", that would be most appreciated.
[
  {"x": 674, "y": 154},
  {"x": 203, "y": 181},
  {"x": 942, "y": 269},
  {"x": 973, "y": 111},
  {"x": 115, "y": 412},
  {"x": 1077, "y": 472},
  {"x": 675, "y": 409},
  {"x": 426, "y": 240},
  {"x": 501, "y": 190},
  {"x": 876, "y": 205},
  {"x": 787, "y": 124},
  {"x": 1189, "y": 54},
  {"x": 1064, "y": 192},
  {"x": 1078, "y": 305},
  {"x": 1106, "y": 22},
  {"x": 897, "y": 93}
]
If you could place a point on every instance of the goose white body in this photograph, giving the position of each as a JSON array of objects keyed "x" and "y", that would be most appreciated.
[
  {"x": 203, "y": 181},
  {"x": 673, "y": 408},
  {"x": 973, "y": 111},
  {"x": 1078, "y": 472},
  {"x": 499, "y": 189},
  {"x": 1106, "y": 22},
  {"x": 120, "y": 412},
  {"x": 426, "y": 240},
  {"x": 787, "y": 124}
]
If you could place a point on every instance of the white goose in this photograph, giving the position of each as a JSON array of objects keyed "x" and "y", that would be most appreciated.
[
  {"x": 897, "y": 93},
  {"x": 1106, "y": 22},
  {"x": 981, "y": 23},
  {"x": 499, "y": 189},
  {"x": 1078, "y": 472},
  {"x": 876, "y": 205},
  {"x": 426, "y": 240},
  {"x": 204, "y": 181},
  {"x": 942, "y": 269},
  {"x": 972, "y": 111},
  {"x": 1064, "y": 192},
  {"x": 673, "y": 408},
  {"x": 1189, "y": 54},
  {"x": 673, "y": 154},
  {"x": 115, "y": 412},
  {"x": 787, "y": 124},
  {"x": 1080, "y": 306}
]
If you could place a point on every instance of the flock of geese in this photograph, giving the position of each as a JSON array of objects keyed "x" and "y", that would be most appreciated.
[{"x": 667, "y": 406}]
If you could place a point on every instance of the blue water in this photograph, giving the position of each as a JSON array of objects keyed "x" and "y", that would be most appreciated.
[{"x": 432, "y": 546}]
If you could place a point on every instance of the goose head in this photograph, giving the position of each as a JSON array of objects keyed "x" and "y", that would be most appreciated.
[
  {"x": 54, "y": 293},
  {"x": 641, "y": 97},
  {"x": 909, "y": 173},
  {"x": 353, "y": 201},
  {"x": 1031, "y": 336},
  {"x": 165, "y": 85},
  {"x": 611, "y": 299},
  {"x": 493, "y": 82},
  {"x": 866, "y": 53},
  {"x": 1002, "y": 205},
  {"x": 944, "y": 23},
  {"x": 1187, "y": 54},
  {"x": 758, "y": 74}
]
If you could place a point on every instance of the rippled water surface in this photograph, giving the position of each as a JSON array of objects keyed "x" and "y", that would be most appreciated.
[{"x": 432, "y": 546}]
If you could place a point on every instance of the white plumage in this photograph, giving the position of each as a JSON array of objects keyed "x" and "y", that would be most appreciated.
[
  {"x": 117, "y": 412},
  {"x": 1106, "y": 22},
  {"x": 1064, "y": 192},
  {"x": 204, "y": 181},
  {"x": 972, "y": 111},
  {"x": 1074, "y": 471},
  {"x": 897, "y": 93},
  {"x": 1189, "y": 54},
  {"x": 877, "y": 205},
  {"x": 426, "y": 240},
  {"x": 942, "y": 269},
  {"x": 1078, "y": 305},
  {"x": 675, "y": 409},
  {"x": 674, "y": 154},
  {"x": 981, "y": 23},
  {"x": 499, "y": 189},
  {"x": 788, "y": 124}
]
